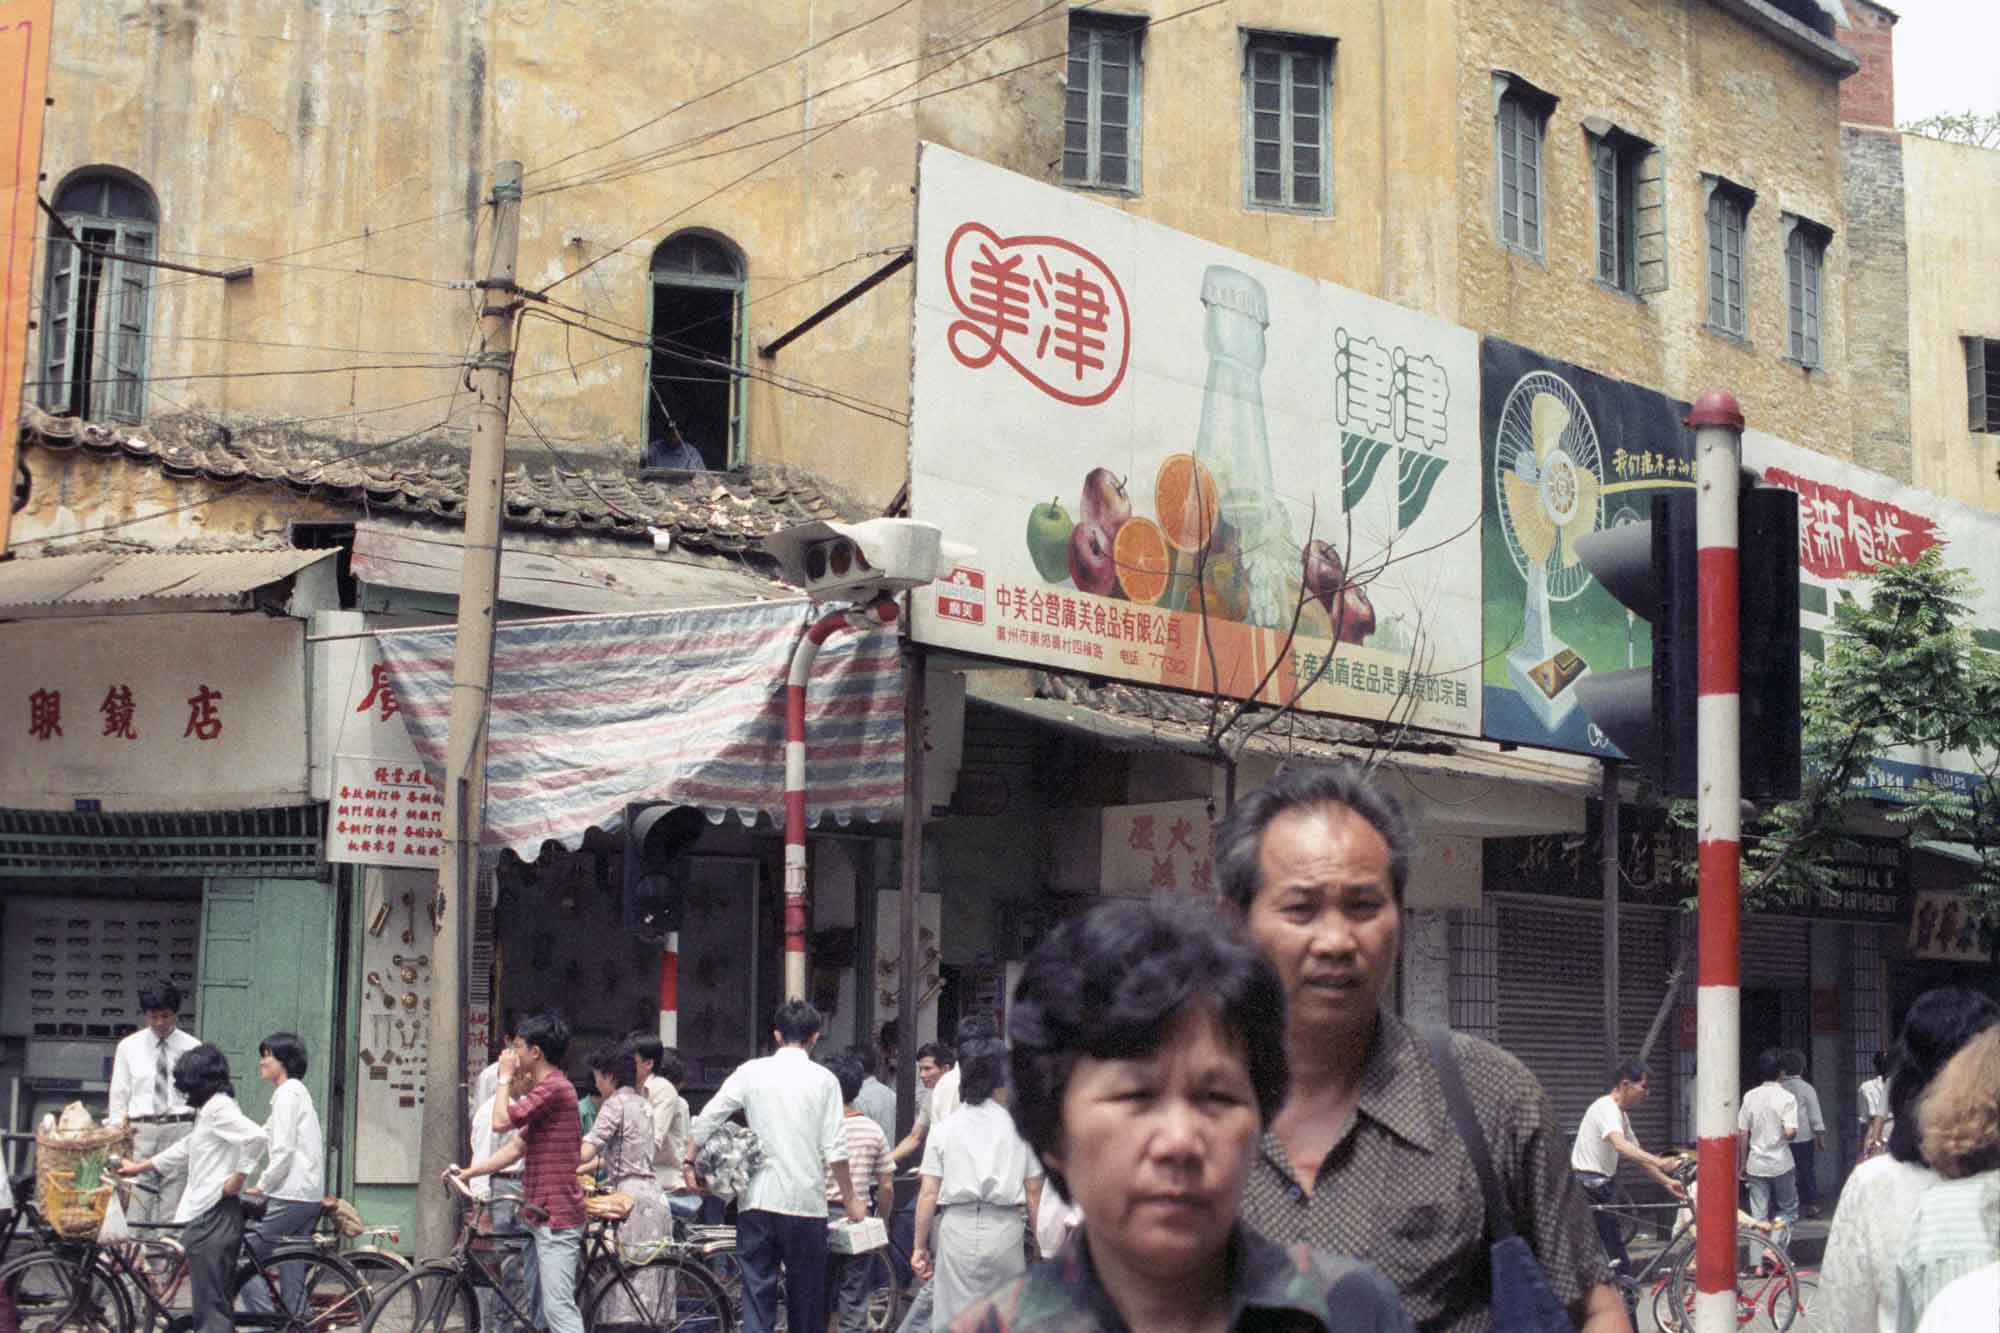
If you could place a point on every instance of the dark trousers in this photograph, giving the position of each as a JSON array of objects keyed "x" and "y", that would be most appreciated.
[
  {"x": 213, "y": 1241},
  {"x": 766, "y": 1241},
  {"x": 1803, "y": 1151},
  {"x": 1598, "y": 1189}
]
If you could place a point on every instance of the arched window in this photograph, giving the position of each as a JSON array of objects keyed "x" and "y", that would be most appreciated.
[
  {"x": 694, "y": 391},
  {"x": 98, "y": 310}
]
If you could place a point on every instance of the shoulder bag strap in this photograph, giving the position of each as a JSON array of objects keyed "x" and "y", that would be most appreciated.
[{"x": 1498, "y": 1219}]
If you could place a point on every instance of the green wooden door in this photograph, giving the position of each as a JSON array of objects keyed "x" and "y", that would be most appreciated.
[{"x": 267, "y": 950}]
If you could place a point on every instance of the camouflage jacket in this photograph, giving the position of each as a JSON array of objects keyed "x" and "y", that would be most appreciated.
[{"x": 1271, "y": 1290}]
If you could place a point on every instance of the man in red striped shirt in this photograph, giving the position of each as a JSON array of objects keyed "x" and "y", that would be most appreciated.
[{"x": 544, "y": 1115}]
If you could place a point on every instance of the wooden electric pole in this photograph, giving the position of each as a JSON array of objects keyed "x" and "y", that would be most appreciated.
[{"x": 492, "y": 373}]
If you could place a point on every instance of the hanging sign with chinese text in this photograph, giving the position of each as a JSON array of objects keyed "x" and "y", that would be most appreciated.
[
  {"x": 1163, "y": 847},
  {"x": 1182, "y": 466},
  {"x": 194, "y": 712},
  {"x": 384, "y": 814}
]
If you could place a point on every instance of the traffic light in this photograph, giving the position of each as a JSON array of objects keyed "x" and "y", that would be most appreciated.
[
  {"x": 1649, "y": 712},
  {"x": 857, "y": 561},
  {"x": 657, "y": 835}
]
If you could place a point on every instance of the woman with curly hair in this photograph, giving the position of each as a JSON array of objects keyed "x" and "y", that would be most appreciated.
[{"x": 1956, "y": 1227}]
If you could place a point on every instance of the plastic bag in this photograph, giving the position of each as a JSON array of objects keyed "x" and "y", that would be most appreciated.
[{"x": 113, "y": 1231}]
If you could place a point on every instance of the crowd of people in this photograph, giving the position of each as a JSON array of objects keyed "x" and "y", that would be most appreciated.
[{"x": 1201, "y": 1117}]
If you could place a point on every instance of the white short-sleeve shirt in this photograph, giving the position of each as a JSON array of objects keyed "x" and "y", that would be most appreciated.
[
  {"x": 979, "y": 1157},
  {"x": 1592, "y": 1150},
  {"x": 1768, "y": 1111}
]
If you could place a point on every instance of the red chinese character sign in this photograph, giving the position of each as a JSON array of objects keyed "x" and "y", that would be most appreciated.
[
  {"x": 1049, "y": 309},
  {"x": 1163, "y": 847},
  {"x": 1851, "y": 519},
  {"x": 197, "y": 712},
  {"x": 1166, "y": 452},
  {"x": 382, "y": 809}
]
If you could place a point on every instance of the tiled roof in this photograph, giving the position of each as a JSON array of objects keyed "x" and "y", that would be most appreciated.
[
  {"x": 1185, "y": 717},
  {"x": 721, "y": 512}
]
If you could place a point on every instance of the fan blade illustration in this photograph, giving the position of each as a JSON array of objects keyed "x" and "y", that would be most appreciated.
[
  {"x": 1531, "y": 525},
  {"x": 1548, "y": 418},
  {"x": 1585, "y": 521}
]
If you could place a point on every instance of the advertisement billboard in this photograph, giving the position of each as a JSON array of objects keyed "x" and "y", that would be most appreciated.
[
  {"x": 1565, "y": 453},
  {"x": 1180, "y": 466},
  {"x": 1850, "y": 520}
]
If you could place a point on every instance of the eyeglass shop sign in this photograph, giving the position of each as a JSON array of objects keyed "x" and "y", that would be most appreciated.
[{"x": 165, "y": 713}]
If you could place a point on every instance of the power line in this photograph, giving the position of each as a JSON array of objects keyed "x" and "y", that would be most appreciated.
[
  {"x": 717, "y": 91},
  {"x": 651, "y": 159},
  {"x": 811, "y": 135}
]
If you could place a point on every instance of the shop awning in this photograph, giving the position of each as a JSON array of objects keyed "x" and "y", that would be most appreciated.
[
  {"x": 592, "y": 712},
  {"x": 105, "y": 580},
  {"x": 428, "y": 560}
]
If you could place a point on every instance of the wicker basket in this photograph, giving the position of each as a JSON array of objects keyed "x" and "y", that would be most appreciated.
[
  {"x": 57, "y": 1157},
  {"x": 74, "y": 1214}
]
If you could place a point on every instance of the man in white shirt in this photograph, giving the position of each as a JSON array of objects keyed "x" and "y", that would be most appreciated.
[
  {"x": 876, "y": 1100},
  {"x": 1812, "y": 1130},
  {"x": 660, "y": 1074},
  {"x": 1602, "y": 1138},
  {"x": 793, "y": 1106},
  {"x": 142, "y": 1089},
  {"x": 1766, "y": 1124},
  {"x": 1873, "y": 1110},
  {"x": 503, "y": 1186},
  {"x": 488, "y": 1078}
]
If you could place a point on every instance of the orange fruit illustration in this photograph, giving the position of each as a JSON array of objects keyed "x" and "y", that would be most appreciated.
[
  {"x": 1144, "y": 563},
  {"x": 1187, "y": 500}
]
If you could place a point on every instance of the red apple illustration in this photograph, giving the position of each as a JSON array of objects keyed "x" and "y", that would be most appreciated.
[
  {"x": 1091, "y": 566},
  {"x": 1105, "y": 502}
]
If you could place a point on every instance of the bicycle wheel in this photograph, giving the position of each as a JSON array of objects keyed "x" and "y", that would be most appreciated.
[
  {"x": 54, "y": 1294},
  {"x": 669, "y": 1294},
  {"x": 1795, "y": 1300},
  {"x": 376, "y": 1268},
  {"x": 1767, "y": 1295},
  {"x": 160, "y": 1264},
  {"x": 431, "y": 1298},
  {"x": 885, "y": 1294},
  {"x": 305, "y": 1291}
]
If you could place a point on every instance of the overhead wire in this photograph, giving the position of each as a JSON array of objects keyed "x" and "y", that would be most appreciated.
[{"x": 812, "y": 134}]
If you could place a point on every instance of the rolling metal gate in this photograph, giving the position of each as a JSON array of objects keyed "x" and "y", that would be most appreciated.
[{"x": 1551, "y": 993}]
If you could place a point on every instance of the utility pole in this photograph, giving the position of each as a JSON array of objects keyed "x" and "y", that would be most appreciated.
[{"x": 471, "y": 686}]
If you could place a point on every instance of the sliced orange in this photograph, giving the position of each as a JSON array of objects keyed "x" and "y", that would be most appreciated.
[
  {"x": 1187, "y": 501},
  {"x": 1144, "y": 563}
]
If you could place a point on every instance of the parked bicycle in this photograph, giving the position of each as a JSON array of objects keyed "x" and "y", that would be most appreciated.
[{"x": 662, "y": 1288}]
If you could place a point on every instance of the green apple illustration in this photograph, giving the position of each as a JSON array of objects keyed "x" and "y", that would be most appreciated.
[{"x": 1049, "y": 527}]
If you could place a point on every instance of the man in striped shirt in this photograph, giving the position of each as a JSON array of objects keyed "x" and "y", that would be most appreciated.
[{"x": 867, "y": 1159}]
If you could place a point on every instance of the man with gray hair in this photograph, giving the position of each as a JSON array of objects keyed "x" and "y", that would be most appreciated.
[{"x": 1364, "y": 1159}]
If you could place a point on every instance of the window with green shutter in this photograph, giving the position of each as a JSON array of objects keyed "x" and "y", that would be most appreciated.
[
  {"x": 97, "y": 307},
  {"x": 1982, "y": 384},
  {"x": 1287, "y": 109},
  {"x": 1101, "y": 103}
]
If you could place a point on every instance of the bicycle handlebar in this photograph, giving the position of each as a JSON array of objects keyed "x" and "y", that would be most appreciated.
[{"x": 451, "y": 1178}]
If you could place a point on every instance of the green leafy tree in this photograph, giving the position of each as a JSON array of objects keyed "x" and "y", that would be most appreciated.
[
  {"x": 1981, "y": 130},
  {"x": 1902, "y": 670}
]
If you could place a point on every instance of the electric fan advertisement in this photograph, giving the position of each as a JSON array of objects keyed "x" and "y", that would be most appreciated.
[
  {"x": 1567, "y": 453},
  {"x": 1166, "y": 454}
]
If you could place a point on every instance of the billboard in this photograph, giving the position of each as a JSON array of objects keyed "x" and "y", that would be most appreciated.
[
  {"x": 1180, "y": 466},
  {"x": 1850, "y": 520},
  {"x": 1565, "y": 453}
]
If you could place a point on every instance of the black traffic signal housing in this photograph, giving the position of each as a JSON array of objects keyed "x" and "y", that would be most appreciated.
[
  {"x": 1650, "y": 713},
  {"x": 657, "y": 838}
]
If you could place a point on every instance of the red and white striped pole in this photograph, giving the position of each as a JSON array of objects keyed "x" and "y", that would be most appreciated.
[
  {"x": 1718, "y": 426},
  {"x": 670, "y": 990},
  {"x": 881, "y": 611}
]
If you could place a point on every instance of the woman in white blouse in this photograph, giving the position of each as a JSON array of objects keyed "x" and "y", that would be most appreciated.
[
  {"x": 216, "y": 1155},
  {"x": 294, "y": 1181},
  {"x": 976, "y": 1174}
]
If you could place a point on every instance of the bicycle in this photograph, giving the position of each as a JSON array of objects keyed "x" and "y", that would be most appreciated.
[
  {"x": 1770, "y": 1293},
  {"x": 82, "y": 1284},
  {"x": 441, "y": 1295},
  {"x": 367, "y": 1252}
]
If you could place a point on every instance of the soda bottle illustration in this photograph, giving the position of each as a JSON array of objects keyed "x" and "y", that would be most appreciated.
[{"x": 1233, "y": 444}]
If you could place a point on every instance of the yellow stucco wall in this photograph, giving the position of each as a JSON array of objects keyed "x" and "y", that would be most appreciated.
[
  {"x": 1718, "y": 99},
  {"x": 1953, "y": 191},
  {"x": 353, "y": 140},
  {"x": 79, "y": 501}
]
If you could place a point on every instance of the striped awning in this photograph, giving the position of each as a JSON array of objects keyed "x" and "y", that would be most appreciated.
[{"x": 592, "y": 712}]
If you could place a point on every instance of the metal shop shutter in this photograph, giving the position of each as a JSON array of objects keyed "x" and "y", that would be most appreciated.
[
  {"x": 1776, "y": 952},
  {"x": 1645, "y": 953},
  {"x": 1552, "y": 1001}
]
